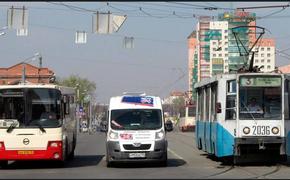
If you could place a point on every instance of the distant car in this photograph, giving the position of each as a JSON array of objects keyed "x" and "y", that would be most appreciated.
[
  {"x": 169, "y": 125},
  {"x": 84, "y": 128}
]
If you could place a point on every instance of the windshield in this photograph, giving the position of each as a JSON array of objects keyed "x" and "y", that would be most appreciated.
[
  {"x": 132, "y": 119},
  {"x": 261, "y": 102},
  {"x": 29, "y": 107}
]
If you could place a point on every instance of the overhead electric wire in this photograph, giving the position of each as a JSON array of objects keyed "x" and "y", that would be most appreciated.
[
  {"x": 77, "y": 8},
  {"x": 201, "y": 6},
  {"x": 271, "y": 14}
]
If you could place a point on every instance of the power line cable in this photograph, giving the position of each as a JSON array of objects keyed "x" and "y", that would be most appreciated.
[
  {"x": 201, "y": 6},
  {"x": 271, "y": 14}
]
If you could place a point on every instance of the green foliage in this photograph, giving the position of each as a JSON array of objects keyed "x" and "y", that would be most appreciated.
[
  {"x": 179, "y": 106},
  {"x": 83, "y": 86}
]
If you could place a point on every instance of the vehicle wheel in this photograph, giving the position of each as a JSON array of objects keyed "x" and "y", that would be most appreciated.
[
  {"x": 71, "y": 155},
  {"x": 60, "y": 163},
  {"x": 3, "y": 164},
  {"x": 163, "y": 162},
  {"x": 108, "y": 162}
]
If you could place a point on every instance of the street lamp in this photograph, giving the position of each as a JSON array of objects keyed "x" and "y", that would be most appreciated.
[{"x": 29, "y": 59}]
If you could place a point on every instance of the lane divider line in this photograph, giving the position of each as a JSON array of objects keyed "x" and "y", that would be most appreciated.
[{"x": 175, "y": 154}]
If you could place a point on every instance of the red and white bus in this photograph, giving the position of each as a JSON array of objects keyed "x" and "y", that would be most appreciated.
[{"x": 37, "y": 122}]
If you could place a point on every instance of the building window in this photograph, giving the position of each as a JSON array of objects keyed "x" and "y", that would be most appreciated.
[
  {"x": 214, "y": 43},
  {"x": 262, "y": 55},
  {"x": 226, "y": 55},
  {"x": 226, "y": 37},
  {"x": 268, "y": 49},
  {"x": 213, "y": 55},
  {"x": 256, "y": 61},
  {"x": 226, "y": 31},
  {"x": 256, "y": 55},
  {"x": 268, "y": 55},
  {"x": 220, "y": 55},
  {"x": 268, "y": 60},
  {"x": 262, "y": 49},
  {"x": 268, "y": 67},
  {"x": 214, "y": 49},
  {"x": 262, "y": 60},
  {"x": 226, "y": 43},
  {"x": 226, "y": 49}
]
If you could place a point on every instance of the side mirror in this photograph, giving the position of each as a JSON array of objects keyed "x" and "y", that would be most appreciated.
[
  {"x": 168, "y": 127},
  {"x": 218, "y": 107}
]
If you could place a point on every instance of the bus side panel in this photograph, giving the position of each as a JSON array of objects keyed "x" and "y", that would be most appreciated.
[
  {"x": 200, "y": 134},
  {"x": 213, "y": 138},
  {"x": 197, "y": 133},
  {"x": 288, "y": 143},
  {"x": 225, "y": 141},
  {"x": 207, "y": 136}
]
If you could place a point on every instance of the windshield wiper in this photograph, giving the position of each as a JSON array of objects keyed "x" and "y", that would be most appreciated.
[
  {"x": 41, "y": 128},
  {"x": 11, "y": 127},
  {"x": 249, "y": 112}
]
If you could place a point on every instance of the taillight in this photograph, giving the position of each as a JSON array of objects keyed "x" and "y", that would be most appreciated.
[
  {"x": 54, "y": 144},
  {"x": 2, "y": 147}
]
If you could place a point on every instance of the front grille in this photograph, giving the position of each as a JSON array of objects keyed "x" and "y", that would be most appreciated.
[{"x": 141, "y": 147}]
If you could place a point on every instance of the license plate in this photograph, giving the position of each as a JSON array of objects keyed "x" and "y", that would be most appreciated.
[
  {"x": 25, "y": 152},
  {"x": 136, "y": 155}
]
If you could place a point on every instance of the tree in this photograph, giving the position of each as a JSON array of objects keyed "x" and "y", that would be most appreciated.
[
  {"x": 83, "y": 86},
  {"x": 179, "y": 106}
]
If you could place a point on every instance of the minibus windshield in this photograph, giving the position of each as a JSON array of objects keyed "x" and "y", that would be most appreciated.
[{"x": 136, "y": 119}]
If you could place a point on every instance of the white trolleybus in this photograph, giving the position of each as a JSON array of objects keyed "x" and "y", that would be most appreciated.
[
  {"x": 241, "y": 116},
  {"x": 136, "y": 129},
  {"x": 37, "y": 122}
]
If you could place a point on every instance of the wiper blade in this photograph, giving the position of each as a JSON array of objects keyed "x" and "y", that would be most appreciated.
[
  {"x": 41, "y": 128},
  {"x": 11, "y": 127}
]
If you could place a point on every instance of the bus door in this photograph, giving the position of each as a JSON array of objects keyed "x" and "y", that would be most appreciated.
[{"x": 207, "y": 126}]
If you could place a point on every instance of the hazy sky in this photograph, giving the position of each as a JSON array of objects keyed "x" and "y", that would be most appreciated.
[{"x": 158, "y": 62}]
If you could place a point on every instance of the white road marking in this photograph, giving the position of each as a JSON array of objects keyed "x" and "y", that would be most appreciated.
[{"x": 174, "y": 153}]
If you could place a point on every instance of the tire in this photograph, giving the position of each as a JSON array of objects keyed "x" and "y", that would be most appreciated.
[
  {"x": 71, "y": 155},
  {"x": 3, "y": 164},
  {"x": 108, "y": 162},
  {"x": 163, "y": 162}
]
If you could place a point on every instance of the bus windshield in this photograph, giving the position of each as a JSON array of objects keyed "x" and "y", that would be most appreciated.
[
  {"x": 136, "y": 119},
  {"x": 261, "y": 99},
  {"x": 30, "y": 107}
]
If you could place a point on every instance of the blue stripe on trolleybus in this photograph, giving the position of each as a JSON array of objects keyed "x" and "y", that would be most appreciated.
[{"x": 214, "y": 138}]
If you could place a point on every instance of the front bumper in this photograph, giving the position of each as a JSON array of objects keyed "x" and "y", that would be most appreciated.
[
  {"x": 115, "y": 154},
  {"x": 247, "y": 145}
]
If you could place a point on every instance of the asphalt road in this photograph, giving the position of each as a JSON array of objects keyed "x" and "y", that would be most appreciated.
[{"x": 184, "y": 162}]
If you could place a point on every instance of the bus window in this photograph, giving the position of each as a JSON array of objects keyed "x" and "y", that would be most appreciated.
[
  {"x": 11, "y": 107},
  {"x": 213, "y": 102},
  {"x": 231, "y": 100},
  {"x": 207, "y": 103},
  {"x": 268, "y": 98},
  {"x": 199, "y": 104},
  {"x": 202, "y": 114}
]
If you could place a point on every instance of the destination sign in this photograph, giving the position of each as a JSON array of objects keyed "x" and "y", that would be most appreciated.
[
  {"x": 141, "y": 100},
  {"x": 260, "y": 81}
]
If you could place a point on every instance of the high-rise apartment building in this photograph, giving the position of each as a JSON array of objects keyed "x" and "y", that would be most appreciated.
[{"x": 214, "y": 49}]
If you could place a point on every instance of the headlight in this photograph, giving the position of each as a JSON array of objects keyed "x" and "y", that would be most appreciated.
[
  {"x": 275, "y": 130},
  {"x": 113, "y": 135},
  {"x": 246, "y": 130},
  {"x": 159, "y": 134}
]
